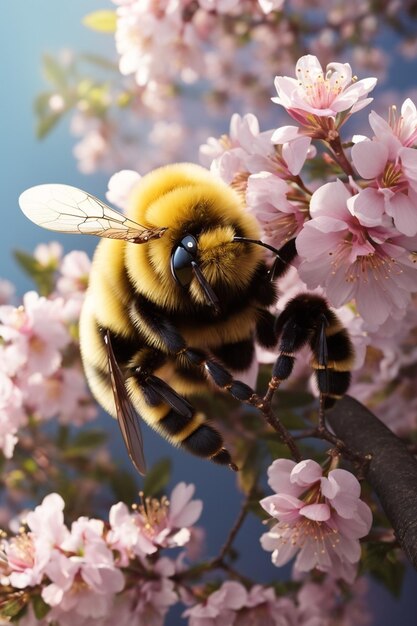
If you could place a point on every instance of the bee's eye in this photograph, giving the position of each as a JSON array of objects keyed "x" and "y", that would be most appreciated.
[{"x": 181, "y": 260}]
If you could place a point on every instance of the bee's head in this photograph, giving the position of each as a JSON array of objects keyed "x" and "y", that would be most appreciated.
[
  {"x": 211, "y": 267},
  {"x": 199, "y": 260}
]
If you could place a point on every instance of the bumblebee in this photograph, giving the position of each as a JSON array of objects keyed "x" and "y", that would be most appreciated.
[{"x": 182, "y": 310}]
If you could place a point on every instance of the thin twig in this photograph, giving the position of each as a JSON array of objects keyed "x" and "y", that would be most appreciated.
[
  {"x": 340, "y": 156},
  {"x": 234, "y": 530},
  {"x": 264, "y": 405}
]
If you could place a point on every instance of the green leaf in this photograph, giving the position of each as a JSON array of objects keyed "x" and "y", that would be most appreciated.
[
  {"x": 43, "y": 276},
  {"x": 40, "y": 607},
  {"x": 84, "y": 443},
  {"x": 157, "y": 478},
  {"x": 102, "y": 21},
  {"x": 385, "y": 565},
  {"x": 54, "y": 72},
  {"x": 41, "y": 103},
  {"x": 90, "y": 439},
  {"x": 13, "y": 604},
  {"x": 99, "y": 61},
  {"x": 28, "y": 263},
  {"x": 46, "y": 124},
  {"x": 124, "y": 486}
]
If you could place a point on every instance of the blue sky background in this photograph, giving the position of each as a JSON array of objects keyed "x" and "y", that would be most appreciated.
[{"x": 27, "y": 30}]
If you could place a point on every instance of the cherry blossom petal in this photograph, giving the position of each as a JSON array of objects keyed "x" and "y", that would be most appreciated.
[
  {"x": 279, "y": 477},
  {"x": 285, "y": 134},
  {"x": 282, "y": 506},
  {"x": 295, "y": 153},
  {"x": 316, "y": 512},
  {"x": 306, "y": 473},
  {"x": 384, "y": 133},
  {"x": 368, "y": 206},
  {"x": 183, "y": 511},
  {"x": 404, "y": 213},
  {"x": 369, "y": 158}
]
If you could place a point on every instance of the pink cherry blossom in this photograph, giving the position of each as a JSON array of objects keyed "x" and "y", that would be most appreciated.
[
  {"x": 63, "y": 395},
  {"x": 125, "y": 534},
  {"x": 264, "y": 607},
  {"x": 148, "y": 601},
  {"x": 47, "y": 520},
  {"x": 349, "y": 260},
  {"x": 266, "y": 197},
  {"x": 7, "y": 291},
  {"x": 12, "y": 415},
  {"x": 38, "y": 330},
  {"x": 247, "y": 151},
  {"x": 320, "y": 518},
  {"x": 322, "y": 94},
  {"x": 154, "y": 523},
  {"x": 391, "y": 162},
  {"x": 84, "y": 582},
  {"x": 399, "y": 130},
  {"x": 231, "y": 604},
  {"x": 155, "y": 43},
  {"x": 120, "y": 186},
  {"x": 28, "y": 554},
  {"x": 74, "y": 272},
  {"x": 325, "y": 603},
  {"x": 48, "y": 254},
  {"x": 220, "y": 606}
]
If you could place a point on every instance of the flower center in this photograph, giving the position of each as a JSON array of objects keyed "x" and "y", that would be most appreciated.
[
  {"x": 309, "y": 531},
  {"x": 154, "y": 512},
  {"x": 21, "y": 552},
  {"x": 372, "y": 267},
  {"x": 393, "y": 177},
  {"x": 404, "y": 129},
  {"x": 320, "y": 91}
]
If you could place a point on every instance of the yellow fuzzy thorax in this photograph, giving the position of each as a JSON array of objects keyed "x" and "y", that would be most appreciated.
[{"x": 181, "y": 197}]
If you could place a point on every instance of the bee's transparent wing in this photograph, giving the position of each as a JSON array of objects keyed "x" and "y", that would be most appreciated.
[
  {"x": 126, "y": 415},
  {"x": 67, "y": 209}
]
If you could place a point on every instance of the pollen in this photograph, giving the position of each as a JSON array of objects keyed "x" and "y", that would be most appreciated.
[
  {"x": 309, "y": 531},
  {"x": 393, "y": 176},
  {"x": 153, "y": 511}
]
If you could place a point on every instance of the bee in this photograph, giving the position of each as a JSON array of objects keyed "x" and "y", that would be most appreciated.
[{"x": 183, "y": 309}]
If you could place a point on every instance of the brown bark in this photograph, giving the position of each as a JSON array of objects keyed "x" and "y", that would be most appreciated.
[{"x": 392, "y": 472}]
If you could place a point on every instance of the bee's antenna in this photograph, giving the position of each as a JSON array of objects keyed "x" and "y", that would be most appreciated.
[
  {"x": 208, "y": 291},
  {"x": 280, "y": 263},
  {"x": 258, "y": 242}
]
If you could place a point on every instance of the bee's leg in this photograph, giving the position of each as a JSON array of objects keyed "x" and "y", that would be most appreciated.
[
  {"x": 333, "y": 358},
  {"x": 308, "y": 320},
  {"x": 172, "y": 340},
  {"x": 168, "y": 412},
  {"x": 265, "y": 329},
  {"x": 238, "y": 355}
]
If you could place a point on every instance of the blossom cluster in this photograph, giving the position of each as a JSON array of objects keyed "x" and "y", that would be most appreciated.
[
  {"x": 40, "y": 370},
  {"x": 352, "y": 212},
  {"x": 98, "y": 573},
  {"x": 175, "y": 56},
  {"x": 319, "y": 517},
  {"x": 104, "y": 573},
  {"x": 314, "y": 605}
]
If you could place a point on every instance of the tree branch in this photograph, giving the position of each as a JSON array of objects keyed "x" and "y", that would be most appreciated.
[{"x": 392, "y": 471}]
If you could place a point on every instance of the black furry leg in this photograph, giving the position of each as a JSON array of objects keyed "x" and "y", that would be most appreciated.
[{"x": 308, "y": 320}]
